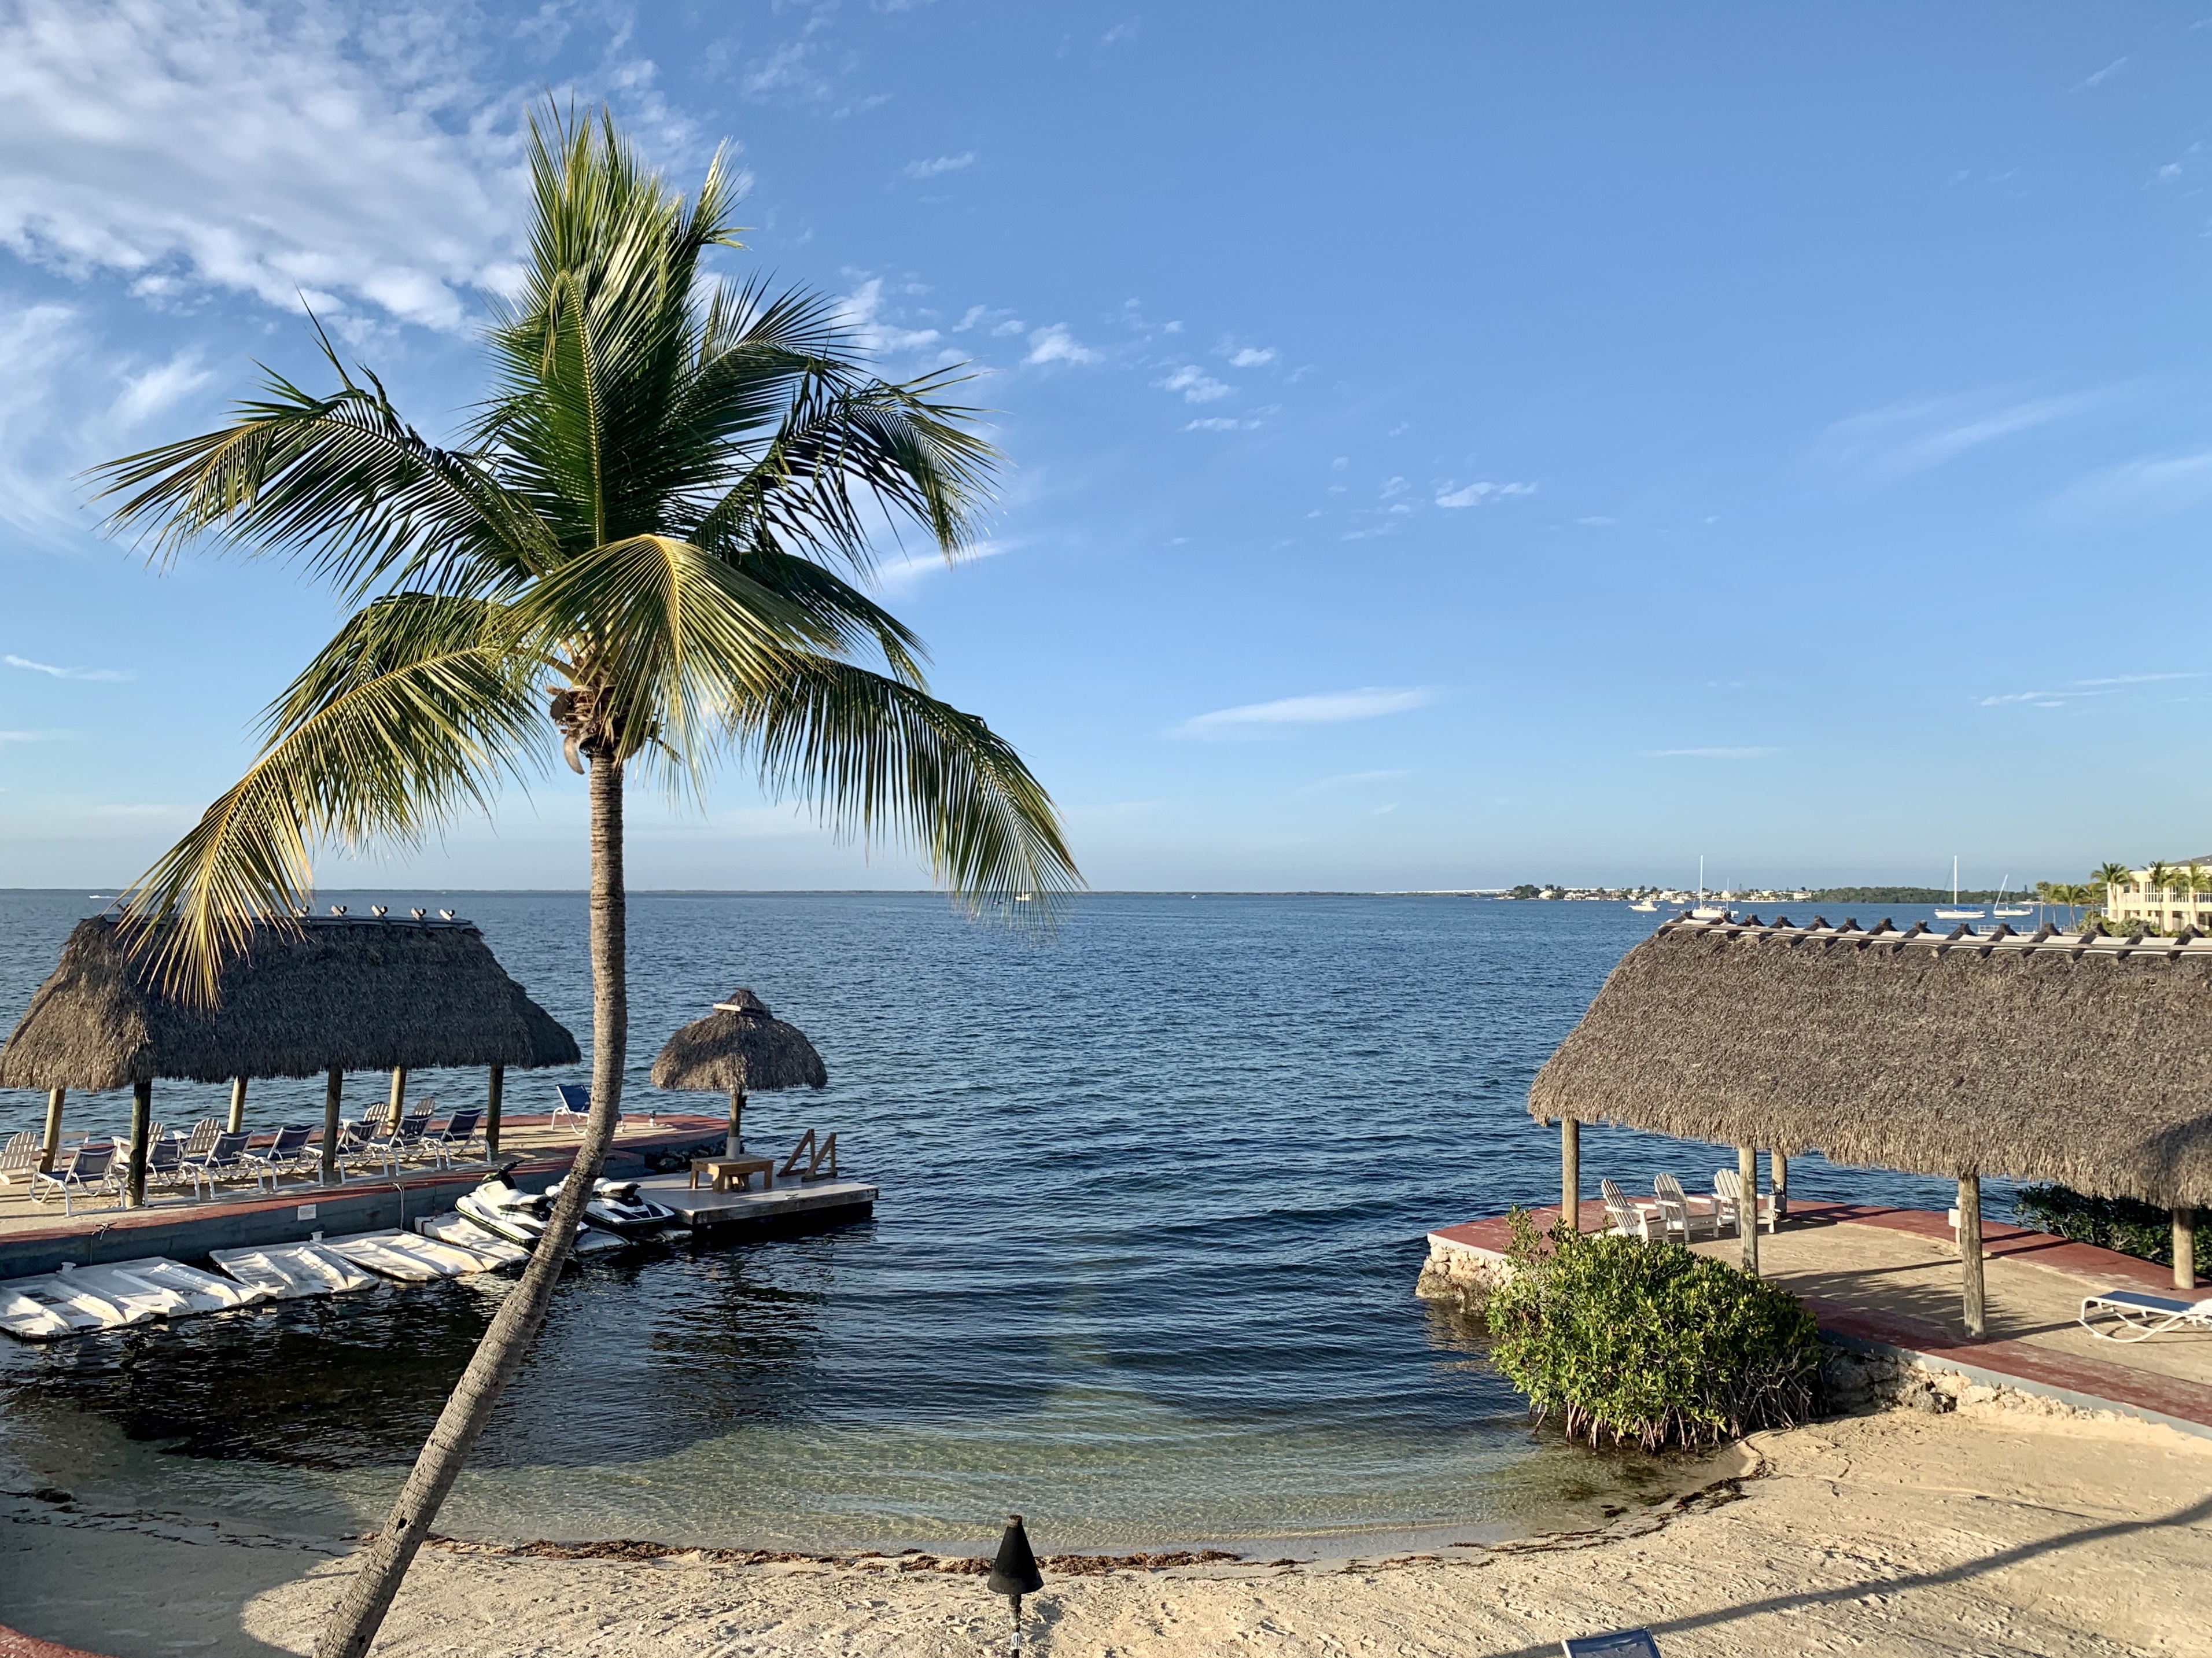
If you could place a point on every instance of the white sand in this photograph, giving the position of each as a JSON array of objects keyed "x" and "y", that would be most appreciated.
[{"x": 1970, "y": 1534}]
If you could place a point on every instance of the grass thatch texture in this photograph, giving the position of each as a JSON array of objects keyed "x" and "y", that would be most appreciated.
[
  {"x": 2082, "y": 1061},
  {"x": 362, "y": 995},
  {"x": 750, "y": 1051},
  {"x": 1646, "y": 1344}
]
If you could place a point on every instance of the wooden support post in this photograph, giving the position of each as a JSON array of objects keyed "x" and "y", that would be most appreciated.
[
  {"x": 1746, "y": 1208},
  {"x": 1570, "y": 1173},
  {"x": 237, "y": 1105},
  {"x": 493, "y": 1096},
  {"x": 2184, "y": 1249},
  {"x": 399, "y": 1096},
  {"x": 1970, "y": 1253},
  {"x": 736, "y": 1142},
  {"x": 53, "y": 1142},
  {"x": 333, "y": 1093},
  {"x": 1781, "y": 1161},
  {"x": 142, "y": 1124}
]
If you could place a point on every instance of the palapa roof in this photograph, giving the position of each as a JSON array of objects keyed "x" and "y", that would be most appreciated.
[
  {"x": 739, "y": 1048},
  {"x": 361, "y": 994},
  {"x": 2073, "y": 1058}
]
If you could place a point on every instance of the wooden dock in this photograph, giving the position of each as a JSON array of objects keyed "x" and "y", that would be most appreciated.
[{"x": 36, "y": 1237}]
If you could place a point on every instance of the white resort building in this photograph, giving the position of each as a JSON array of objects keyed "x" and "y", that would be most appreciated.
[{"x": 2185, "y": 900}]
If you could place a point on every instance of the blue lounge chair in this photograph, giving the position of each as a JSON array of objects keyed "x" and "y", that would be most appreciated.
[
  {"x": 288, "y": 1154},
  {"x": 225, "y": 1160},
  {"x": 164, "y": 1160},
  {"x": 1621, "y": 1644},
  {"x": 575, "y": 1106},
  {"x": 2138, "y": 1316},
  {"x": 407, "y": 1138},
  {"x": 458, "y": 1134},
  {"x": 91, "y": 1172}
]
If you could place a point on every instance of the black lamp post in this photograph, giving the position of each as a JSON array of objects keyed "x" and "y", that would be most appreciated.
[{"x": 1014, "y": 1571}]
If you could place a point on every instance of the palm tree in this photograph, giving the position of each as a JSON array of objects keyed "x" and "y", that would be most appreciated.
[
  {"x": 645, "y": 522},
  {"x": 2112, "y": 878}
]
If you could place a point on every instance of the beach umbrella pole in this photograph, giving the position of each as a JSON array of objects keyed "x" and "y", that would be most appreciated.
[
  {"x": 2184, "y": 1246},
  {"x": 53, "y": 1142},
  {"x": 1970, "y": 1252},
  {"x": 399, "y": 1096},
  {"x": 493, "y": 1099},
  {"x": 142, "y": 1122},
  {"x": 736, "y": 1142},
  {"x": 333, "y": 1092},
  {"x": 237, "y": 1105},
  {"x": 1570, "y": 1173}
]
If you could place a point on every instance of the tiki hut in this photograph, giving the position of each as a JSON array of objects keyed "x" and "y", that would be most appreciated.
[
  {"x": 2071, "y": 1057},
  {"x": 739, "y": 1048},
  {"x": 317, "y": 997}
]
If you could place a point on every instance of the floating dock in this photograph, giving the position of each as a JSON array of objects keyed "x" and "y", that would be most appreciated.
[{"x": 783, "y": 1208}]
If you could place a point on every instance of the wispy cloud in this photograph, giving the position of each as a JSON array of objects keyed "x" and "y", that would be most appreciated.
[
  {"x": 901, "y": 574},
  {"x": 1220, "y": 423},
  {"x": 2100, "y": 76},
  {"x": 1475, "y": 495},
  {"x": 1055, "y": 344},
  {"x": 863, "y": 313},
  {"x": 2076, "y": 689},
  {"x": 33, "y": 736},
  {"x": 938, "y": 166},
  {"x": 1348, "y": 780},
  {"x": 2136, "y": 491},
  {"x": 1330, "y": 708},
  {"x": 1195, "y": 383},
  {"x": 1910, "y": 437},
  {"x": 1711, "y": 754},
  {"x": 108, "y": 675},
  {"x": 1252, "y": 356}
]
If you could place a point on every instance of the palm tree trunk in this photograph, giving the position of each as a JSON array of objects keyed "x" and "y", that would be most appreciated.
[{"x": 353, "y": 1622}]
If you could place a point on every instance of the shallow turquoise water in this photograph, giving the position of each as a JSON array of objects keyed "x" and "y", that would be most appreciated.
[{"x": 1153, "y": 1200}]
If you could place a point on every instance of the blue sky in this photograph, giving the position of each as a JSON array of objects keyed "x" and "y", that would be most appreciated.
[{"x": 1447, "y": 446}]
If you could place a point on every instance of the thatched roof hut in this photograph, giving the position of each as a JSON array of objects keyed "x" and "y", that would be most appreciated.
[
  {"x": 739, "y": 1048},
  {"x": 2077, "y": 1059},
  {"x": 357, "y": 994}
]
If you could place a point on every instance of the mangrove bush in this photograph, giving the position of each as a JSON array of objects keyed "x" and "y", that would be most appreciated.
[{"x": 1647, "y": 1344}]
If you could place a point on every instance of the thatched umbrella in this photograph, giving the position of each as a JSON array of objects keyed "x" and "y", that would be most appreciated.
[
  {"x": 739, "y": 1048},
  {"x": 315, "y": 996}
]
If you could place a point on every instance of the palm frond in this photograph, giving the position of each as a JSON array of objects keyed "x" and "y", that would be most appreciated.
[
  {"x": 881, "y": 760},
  {"x": 418, "y": 707}
]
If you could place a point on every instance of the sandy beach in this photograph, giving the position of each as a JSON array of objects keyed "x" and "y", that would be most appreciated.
[{"x": 1976, "y": 1532}]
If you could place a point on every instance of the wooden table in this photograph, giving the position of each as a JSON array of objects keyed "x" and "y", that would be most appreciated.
[{"x": 727, "y": 1171}]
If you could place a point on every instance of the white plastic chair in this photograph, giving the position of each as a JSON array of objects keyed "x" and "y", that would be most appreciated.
[
  {"x": 1629, "y": 1219},
  {"x": 2138, "y": 1316},
  {"x": 1728, "y": 1196}
]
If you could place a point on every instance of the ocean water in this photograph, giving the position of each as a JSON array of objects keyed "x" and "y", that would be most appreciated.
[{"x": 1153, "y": 1200}]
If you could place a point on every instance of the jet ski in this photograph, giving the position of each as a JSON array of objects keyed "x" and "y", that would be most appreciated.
[
  {"x": 619, "y": 1206},
  {"x": 506, "y": 1211}
]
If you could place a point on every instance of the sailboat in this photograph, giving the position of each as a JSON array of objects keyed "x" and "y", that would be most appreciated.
[
  {"x": 1954, "y": 913},
  {"x": 1702, "y": 911},
  {"x": 2017, "y": 909}
]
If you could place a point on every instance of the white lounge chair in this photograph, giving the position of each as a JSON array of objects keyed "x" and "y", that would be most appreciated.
[
  {"x": 2137, "y": 1316},
  {"x": 1629, "y": 1219},
  {"x": 572, "y": 1104},
  {"x": 1679, "y": 1212},
  {"x": 202, "y": 1137},
  {"x": 288, "y": 1154},
  {"x": 225, "y": 1160},
  {"x": 19, "y": 1159},
  {"x": 91, "y": 1171},
  {"x": 458, "y": 1134},
  {"x": 1728, "y": 1201}
]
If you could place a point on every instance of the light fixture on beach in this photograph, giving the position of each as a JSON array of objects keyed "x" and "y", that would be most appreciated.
[{"x": 1014, "y": 1571}]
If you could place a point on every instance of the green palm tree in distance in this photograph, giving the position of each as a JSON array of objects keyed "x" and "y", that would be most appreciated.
[
  {"x": 2112, "y": 878},
  {"x": 645, "y": 522}
]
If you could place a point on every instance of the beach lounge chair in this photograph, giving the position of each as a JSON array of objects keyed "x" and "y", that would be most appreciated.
[
  {"x": 19, "y": 1159},
  {"x": 407, "y": 1139},
  {"x": 457, "y": 1135},
  {"x": 2137, "y": 1316},
  {"x": 364, "y": 1144},
  {"x": 1681, "y": 1213},
  {"x": 1728, "y": 1201},
  {"x": 225, "y": 1159},
  {"x": 1621, "y": 1644},
  {"x": 1633, "y": 1220},
  {"x": 289, "y": 1153},
  {"x": 202, "y": 1137},
  {"x": 572, "y": 1106},
  {"x": 91, "y": 1171},
  {"x": 164, "y": 1160}
]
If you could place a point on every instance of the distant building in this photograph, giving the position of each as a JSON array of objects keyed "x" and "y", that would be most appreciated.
[{"x": 2170, "y": 908}]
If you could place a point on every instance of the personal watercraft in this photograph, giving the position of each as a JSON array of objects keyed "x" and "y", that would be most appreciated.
[
  {"x": 619, "y": 1206},
  {"x": 506, "y": 1211}
]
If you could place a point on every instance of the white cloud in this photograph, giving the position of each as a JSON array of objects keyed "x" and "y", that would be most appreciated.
[
  {"x": 939, "y": 165},
  {"x": 1334, "y": 707},
  {"x": 33, "y": 736},
  {"x": 2136, "y": 491},
  {"x": 1596, "y": 519},
  {"x": 1252, "y": 357},
  {"x": 191, "y": 144},
  {"x": 1346, "y": 780},
  {"x": 861, "y": 311},
  {"x": 1220, "y": 423},
  {"x": 109, "y": 674},
  {"x": 1907, "y": 437},
  {"x": 1475, "y": 495},
  {"x": 1711, "y": 754},
  {"x": 901, "y": 575},
  {"x": 2100, "y": 76},
  {"x": 1055, "y": 344},
  {"x": 2074, "y": 690},
  {"x": 1195, "y": 383}
]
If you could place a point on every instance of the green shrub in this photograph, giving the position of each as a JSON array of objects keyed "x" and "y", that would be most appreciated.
[
  {"x": 2121, "y": 1223},
  {"x": 1648, "y": 1344}
]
